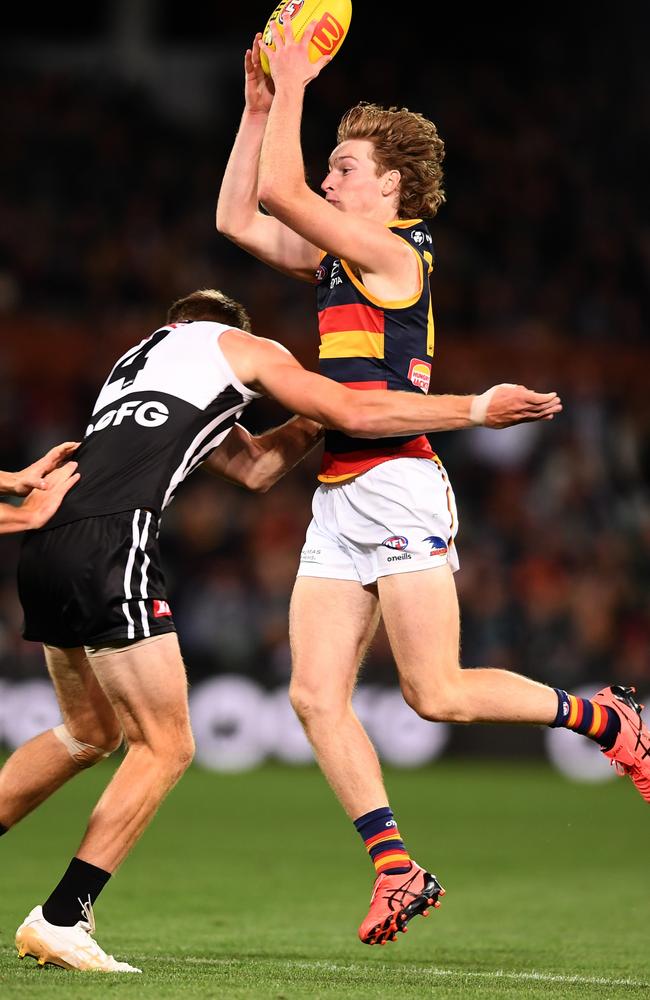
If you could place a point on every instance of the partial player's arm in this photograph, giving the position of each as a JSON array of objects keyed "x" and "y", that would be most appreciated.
[
  {"x": 19, "y": 484},
  {"x": 238, "y": 215},
  {"x": 41, "y": 503},
  {"x": 375, "y": 413},
  {"x": 258, "y": 462},
  {"x": 284, "y": 191}
]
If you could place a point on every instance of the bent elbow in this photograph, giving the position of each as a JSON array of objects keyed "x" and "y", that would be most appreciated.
[
  {"x": 225, "y": 225},
  {"x": 256, "y": 482},
  {"x": 352, "y": 423},
  {"x": 275, "y": 197}
]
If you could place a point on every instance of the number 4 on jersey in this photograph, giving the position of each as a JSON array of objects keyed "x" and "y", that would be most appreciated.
[{"x": 129, "y": 368}]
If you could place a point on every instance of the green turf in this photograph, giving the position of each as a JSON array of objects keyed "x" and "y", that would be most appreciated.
[{"x": 253, "y": 886}]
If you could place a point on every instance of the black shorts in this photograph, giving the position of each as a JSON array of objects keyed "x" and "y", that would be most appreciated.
[{"x": 94, "y": 582}]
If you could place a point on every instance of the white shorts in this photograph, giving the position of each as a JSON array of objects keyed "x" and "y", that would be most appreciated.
[{"x": 396, "y": 518}]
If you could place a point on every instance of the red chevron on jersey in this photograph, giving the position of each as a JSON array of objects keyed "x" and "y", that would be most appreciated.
[
  {"x": 335, "y": 468},
  {"x": 357, "y": 316}
]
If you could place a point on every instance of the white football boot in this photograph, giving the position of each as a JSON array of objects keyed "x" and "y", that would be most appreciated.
[{"x": 67, "y": 947}]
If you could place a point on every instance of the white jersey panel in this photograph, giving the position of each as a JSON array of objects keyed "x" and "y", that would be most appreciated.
[
  {"x": 184, "y": 361},
  {"x": 167, "y": 403}
]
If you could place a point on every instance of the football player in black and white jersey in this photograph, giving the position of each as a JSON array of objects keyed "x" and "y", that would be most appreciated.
[
  {"x": 93, "y": 591},
  {"x": 44, "y": 484}
]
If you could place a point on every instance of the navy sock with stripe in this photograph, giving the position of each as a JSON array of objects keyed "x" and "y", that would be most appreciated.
[
  {"x": 598, "y": 722},
  {"x": 383, "y": 841}
]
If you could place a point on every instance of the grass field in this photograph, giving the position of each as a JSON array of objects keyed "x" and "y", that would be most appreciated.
[{"x": 253, "y": 886}]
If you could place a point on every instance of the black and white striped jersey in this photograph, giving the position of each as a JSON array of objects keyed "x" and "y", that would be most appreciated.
[{"x": 167, "y": 403}]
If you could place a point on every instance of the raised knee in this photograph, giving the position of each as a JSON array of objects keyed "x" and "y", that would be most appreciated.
[
  {"x": 86, "y": 754},
  {"x": 184, "y": 754},
  {"x": 176, "y": 754},
  {"x": 439, "y": 705}
]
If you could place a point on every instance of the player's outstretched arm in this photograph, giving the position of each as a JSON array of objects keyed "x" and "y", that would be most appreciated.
[
  {"x": 238, "y": 215},
  {"x": 41, "y": 503},
  {"x": 272, "y": 369},
  {"x": 285, "y": 193},
  {"x": 259, "y": 461},
  {"x": 34, "y": 476}
]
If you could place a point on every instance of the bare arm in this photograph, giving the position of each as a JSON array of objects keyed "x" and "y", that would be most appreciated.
[
  {"x": 41, "y": 504},
  {"x": 34, "y": 476},
  {"x": 259, "y": 462},
  {"x": 238, "y": 215},
  {"x": 373, "y": 413},
  {"x": 284, "y": 191}
]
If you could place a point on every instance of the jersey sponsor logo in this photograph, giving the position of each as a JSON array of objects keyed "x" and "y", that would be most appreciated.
[
  {"x": 438, "y": 545},
  {"x": 335, "y": 277},
  {"x": 327, "y": 34},
  {"x": 420, "y": 373},
  {"x": 404, "y": 555},
  {"x": 151, "y": 413},
  {"x": 417, "y": 236},
  {"x": 320, "y": 273},
  {"x": 396, "y": 542},
  {"x": 161, "y": 609}
]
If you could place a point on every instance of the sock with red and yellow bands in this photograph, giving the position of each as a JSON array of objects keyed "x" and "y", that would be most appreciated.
[
  {"x": 384, "y": 844},
  {"x": 598, "y": 722}
]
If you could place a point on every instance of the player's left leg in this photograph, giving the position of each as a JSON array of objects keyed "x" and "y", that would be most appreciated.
[
  {"x": 420, "y": 610},
  {"x": 421, "y": 615},
  {"x": 90, "y": 731}
]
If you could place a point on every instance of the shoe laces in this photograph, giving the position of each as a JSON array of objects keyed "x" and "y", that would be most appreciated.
[{"x": 89, "y": 916}]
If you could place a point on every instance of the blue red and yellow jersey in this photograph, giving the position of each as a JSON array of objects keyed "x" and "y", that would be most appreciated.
[{"x": 366, "y": 343}]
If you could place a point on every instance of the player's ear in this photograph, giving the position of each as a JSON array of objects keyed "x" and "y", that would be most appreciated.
[{"x": 390, "y": 182}]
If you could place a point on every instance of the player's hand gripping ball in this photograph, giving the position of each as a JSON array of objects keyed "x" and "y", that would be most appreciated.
[{"x": 333, "y": 17}]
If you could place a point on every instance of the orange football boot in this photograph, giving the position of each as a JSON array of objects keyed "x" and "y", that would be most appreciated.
[
  {"x": 631, "y": 751},
  {"x": 397, "y": 898}
]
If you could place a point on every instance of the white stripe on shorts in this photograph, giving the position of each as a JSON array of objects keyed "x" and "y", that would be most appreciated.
[
  {"x": 139, "y": 542},
  {"x": 131, "y": 629}
]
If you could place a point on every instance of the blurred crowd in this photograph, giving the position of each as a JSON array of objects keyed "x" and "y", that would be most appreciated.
[{"x": 107, "y": 215}]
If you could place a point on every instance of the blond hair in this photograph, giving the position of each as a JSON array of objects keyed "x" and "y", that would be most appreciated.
[{"x": 406, "y": 141}]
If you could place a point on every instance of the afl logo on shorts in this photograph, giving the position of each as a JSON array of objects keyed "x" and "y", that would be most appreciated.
[
  {"x": 438, "y": 545},
  {"x": 398, "y": 542}
]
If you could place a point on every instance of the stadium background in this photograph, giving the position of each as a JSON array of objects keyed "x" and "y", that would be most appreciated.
[{"x": 117, "y": 123}]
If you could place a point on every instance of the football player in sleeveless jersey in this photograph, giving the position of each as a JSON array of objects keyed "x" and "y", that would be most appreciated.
[
  {"x": 384, "y": 526},
  {"x": 93, "y": 590}
]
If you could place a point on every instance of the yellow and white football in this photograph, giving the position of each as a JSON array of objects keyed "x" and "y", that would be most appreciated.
[{"x": 333, "y": 18}]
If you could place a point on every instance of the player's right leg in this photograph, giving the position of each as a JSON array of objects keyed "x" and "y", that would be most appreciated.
[
  {"x": 146, "y": 685},
  {"x": 90, "y": 731},
  {"x": 332, "y": 623}
]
